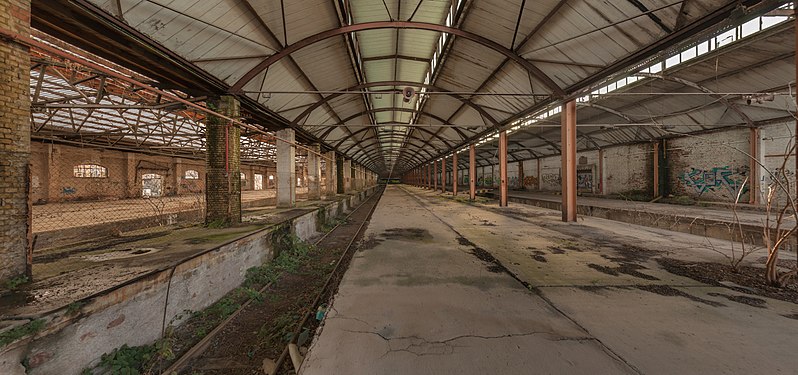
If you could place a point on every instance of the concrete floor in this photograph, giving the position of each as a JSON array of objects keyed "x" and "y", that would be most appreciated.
[{"x": 416, "y": 300}]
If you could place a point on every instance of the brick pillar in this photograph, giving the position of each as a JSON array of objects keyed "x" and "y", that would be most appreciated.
[
  {"x": 15, "y": 235},
  {"x": 332, "y": 178},
  {"x": 223, "y": 176},
  {"x": 286, "y": 169},
  {"x": 314, "y": 173},
  {"x": 347, "y": 169}
]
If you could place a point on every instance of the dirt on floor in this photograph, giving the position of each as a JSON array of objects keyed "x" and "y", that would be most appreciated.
[{"x": 747, "y": 280}]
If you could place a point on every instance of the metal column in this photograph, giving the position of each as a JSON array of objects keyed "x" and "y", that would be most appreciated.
[
  {"x": 568, "y": 150},
  {"x": 503, "y": 169},
  {"x": 454, "y": 174},
  {"x": 472, "y": 172},
  {"x": 443, "y": 175},
  {"x": 434, "y": 176}
]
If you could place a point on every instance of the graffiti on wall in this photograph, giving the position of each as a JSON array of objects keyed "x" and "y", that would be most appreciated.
[
  {"x": 550, "y": 178},
  {"x": 584, "y": 180},
  {"x": 530, "y": 181},
  {"x": 724, "y": 178},
  {"x": 513, "y": 183},
  {"x": 69, "y": 190},
  {"x": 485, "y": 181}
]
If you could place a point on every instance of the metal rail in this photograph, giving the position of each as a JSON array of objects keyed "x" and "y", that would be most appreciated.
[{"x": 202, "y": 345}]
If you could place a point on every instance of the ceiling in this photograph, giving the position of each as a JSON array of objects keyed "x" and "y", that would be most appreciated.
[{"x": 336, "y": 70}]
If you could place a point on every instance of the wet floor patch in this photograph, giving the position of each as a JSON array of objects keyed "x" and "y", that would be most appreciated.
[
  {"x": 630, "y": 269},
  {"x": 746, "y": 300},
  {"x": 407, "y": 234},
  {"x": 669, "y": 291}
]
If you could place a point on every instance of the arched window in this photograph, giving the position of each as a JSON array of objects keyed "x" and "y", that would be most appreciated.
[
  {"x": 89, "y": 171},
  {"x": 191, "y": 175}
]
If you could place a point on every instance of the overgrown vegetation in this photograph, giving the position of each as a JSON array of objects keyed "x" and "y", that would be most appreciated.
[
  {"x": 293, "y": 252},
  {"x": 16, "y": 282},
  {"x": 128, "y": 360},
  {"x": 19, "y": 332},
  {"x": 737, "y": 254}
]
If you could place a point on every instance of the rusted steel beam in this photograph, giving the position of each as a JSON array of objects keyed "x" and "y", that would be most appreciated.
[{"x": 472, "y": 171}]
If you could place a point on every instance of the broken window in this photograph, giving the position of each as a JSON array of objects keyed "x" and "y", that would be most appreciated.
[
  {"x": 191, "y": 175},
  {"x": 258, "y": 181},
  {"x": 90, "y": 171}
]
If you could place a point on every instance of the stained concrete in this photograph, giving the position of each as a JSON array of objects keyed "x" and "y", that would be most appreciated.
[{"x": 417, "y": 300}]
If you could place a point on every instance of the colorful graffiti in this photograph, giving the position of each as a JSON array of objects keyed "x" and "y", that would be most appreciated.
[
  {"x": 69, "y": 190},
  {"x": 551, "y": 178},
  {"x": 715, "y": 179},
  {"x": 530, "y": 181},
  {"x": 513, "y": 183},
  {"x": 485, "y": 181},
  {"x": 584, "y": 180}
]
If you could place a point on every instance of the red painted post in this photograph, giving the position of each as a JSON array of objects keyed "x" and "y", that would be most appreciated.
[
  {"x": 435, "y": 176},
  {"x": 472, "y": 172},
  {"x": 454, "y": 174},
  {"x": 568, "y": 157},
  {"x": 503, "y": 169}
]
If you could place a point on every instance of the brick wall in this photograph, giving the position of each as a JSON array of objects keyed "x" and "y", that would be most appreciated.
[
  {"x": 628, "y": 169},
  {"x": 14, "y": 142},
  {"x": 709, "y": 167},
  {"x": 223, "y": 179},
  {"x": 53, "y": 179}
]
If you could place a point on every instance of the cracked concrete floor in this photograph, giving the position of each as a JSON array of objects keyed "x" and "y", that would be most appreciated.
[{"x": 423, "y": 297}]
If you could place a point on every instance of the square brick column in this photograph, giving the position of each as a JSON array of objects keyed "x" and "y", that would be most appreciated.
[
  {"x": 314, "y": 173},
  {"x": 332, "y": 178},
  {"x": 347, "y": 169},
  {"x": 286, "y": 169},
  {"x": 15, "y": 235},
  {"x": 223, "y": 177}
]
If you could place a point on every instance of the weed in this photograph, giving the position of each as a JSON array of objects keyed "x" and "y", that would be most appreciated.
[
  {"x": 217, "y": 224},
  {"x": 74, "y": 307},
  {"x": 24, "y": 330},
  {"x": 16, "y": 282},
  {"x": 134, "y": 360}
]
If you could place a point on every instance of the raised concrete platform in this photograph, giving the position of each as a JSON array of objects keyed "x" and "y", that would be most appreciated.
[
  {"x": 423, "y": 296},
  {"x": 714, "y": 222},
  {"x": 112, "y": 297}
]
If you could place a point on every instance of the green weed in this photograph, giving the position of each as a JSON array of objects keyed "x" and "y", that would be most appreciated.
[{"x": 19, "y": 332}]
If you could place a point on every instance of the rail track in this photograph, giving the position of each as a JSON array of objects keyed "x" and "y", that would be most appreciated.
[{"x": 341, "y": 239}]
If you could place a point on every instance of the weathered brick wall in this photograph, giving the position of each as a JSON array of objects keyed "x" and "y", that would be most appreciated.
[
  {"x": 709, "y": 166},
  {"x": 52, "y": 177},
  {"x": 223, "y": 179},
  {"x": 628, "y": 169},
  {"x": 14, "y": 141},
  {"x": 774, "y": 144}
]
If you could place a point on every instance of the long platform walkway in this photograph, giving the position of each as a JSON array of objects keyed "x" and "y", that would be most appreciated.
[{"x": 444, "y": 287}]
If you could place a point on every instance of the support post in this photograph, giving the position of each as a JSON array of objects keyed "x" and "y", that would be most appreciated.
[
  {"x": 503, "y": 169},
  {"x": 223, "y": 177},
  {"x": 601, "y": 171},
  {"x": 656, "y": 169},
  {"x": 314, "y": 173},
  {"x": 568, "y": 151},
  {"x": 435, "y": 176},
  {"x": 754, "y": 168},
  {"x": 331, "y": 176},
  {"x": 16, "y": 252},
  {"x": 472, "y": 172},
  {"x": 455, "y": 180},
  {"x": 443, "y": 175},
  {"x": 286, "y": 169},
  {"x": 347, "y": 176}
]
